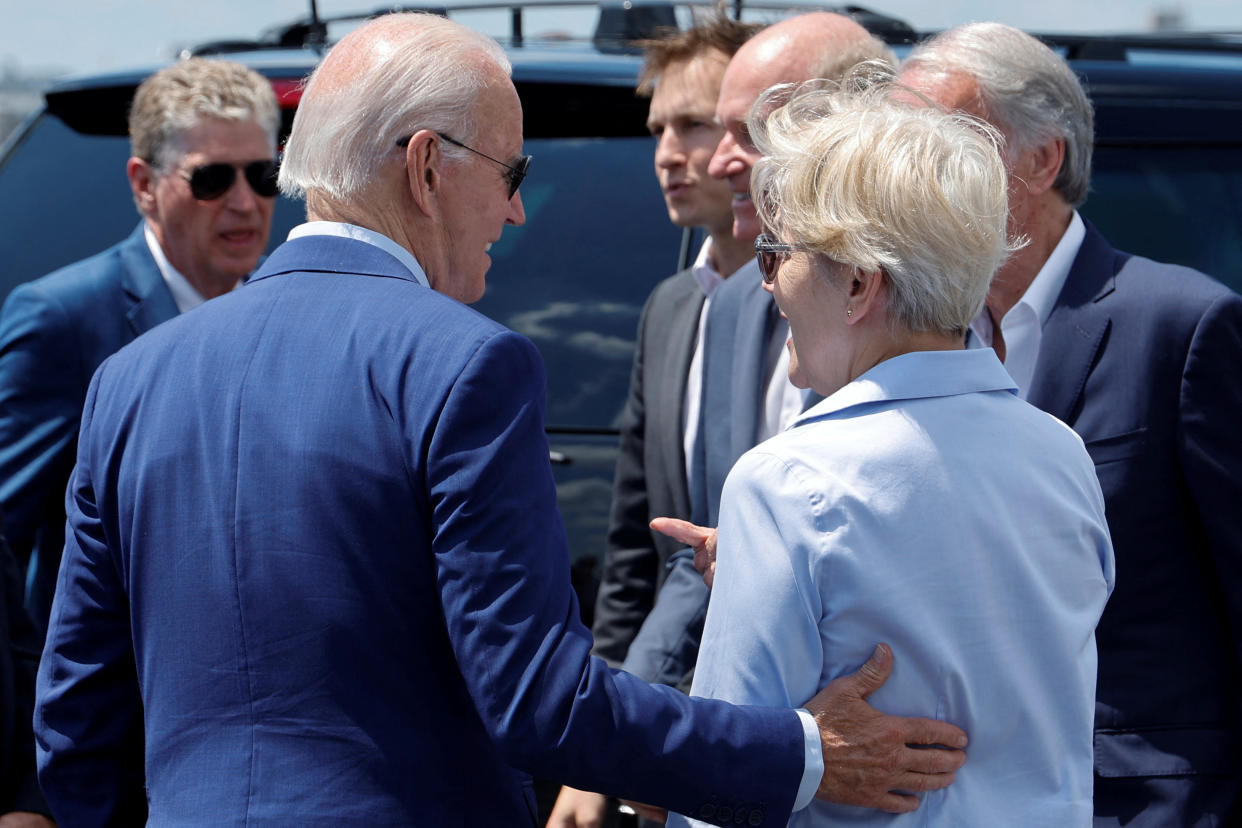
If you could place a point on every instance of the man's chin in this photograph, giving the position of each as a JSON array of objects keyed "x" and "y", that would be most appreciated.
[{"x": 746, "y": 224}]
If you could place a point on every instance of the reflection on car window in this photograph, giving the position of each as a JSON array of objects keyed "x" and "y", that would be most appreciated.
[
  {"x": 596, "y": 241},
  {"x": 1172, "y": 204}
]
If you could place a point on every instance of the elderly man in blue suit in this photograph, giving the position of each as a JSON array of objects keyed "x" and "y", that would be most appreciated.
[
  {"x": 314, "y": 572},
  {"x": 202, "y": 171},
  {"x": 1141, "y": 359}
]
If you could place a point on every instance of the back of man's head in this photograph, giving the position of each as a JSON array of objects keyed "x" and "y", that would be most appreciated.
[
  {"x": 1023, "y": 87},
  {"x": 175, "y": 99},
  {"x": 398, "y": 74}
]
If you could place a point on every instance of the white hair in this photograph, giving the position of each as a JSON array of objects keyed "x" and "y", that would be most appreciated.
[
  {"x": 884, "y": 185},
  {"x": 1024, "y": 87},
  {"x": 419, "y": 71}
]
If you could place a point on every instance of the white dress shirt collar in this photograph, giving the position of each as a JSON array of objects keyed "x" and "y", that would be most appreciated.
[
  {"x": 1023, "y": 324},
  {"x": 704, "y": 271},
  {"x": 362, "y": 234},
  {"x": 183, "y": 293}
]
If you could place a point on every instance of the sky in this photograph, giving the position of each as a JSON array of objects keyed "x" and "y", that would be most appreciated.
[{"x": 65, "y": 37}]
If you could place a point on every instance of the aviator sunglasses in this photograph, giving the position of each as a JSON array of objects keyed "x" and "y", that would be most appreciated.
[
  {"x": 770, "y": 253},
  {"x": 514, "y": 173},
  {"x": 211, "y": 181}
]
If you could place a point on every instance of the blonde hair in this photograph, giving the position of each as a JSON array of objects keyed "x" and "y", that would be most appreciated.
[
  {"x": 880, "y": 184},
  {"x": 179, "y": 97}
]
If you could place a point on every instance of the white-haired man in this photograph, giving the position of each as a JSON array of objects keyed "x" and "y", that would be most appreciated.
[
  {"x": 203, "y": 175},
  {"x": 1138, "y": 358},
  {"x": 315, "y": 572}
]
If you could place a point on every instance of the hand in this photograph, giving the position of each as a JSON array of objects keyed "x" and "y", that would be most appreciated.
[
  {"x": 25, "y": 819},
  {"x": 699, "y": 538},
  {"x": 576, "y": 809},
  {"x": 867, "y": 754}
]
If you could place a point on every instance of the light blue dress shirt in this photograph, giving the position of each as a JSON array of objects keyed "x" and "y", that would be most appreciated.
[{"x": 925, "y": 505}]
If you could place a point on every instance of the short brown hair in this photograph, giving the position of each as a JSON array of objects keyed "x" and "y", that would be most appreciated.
[{"x": 718, "y": 33}]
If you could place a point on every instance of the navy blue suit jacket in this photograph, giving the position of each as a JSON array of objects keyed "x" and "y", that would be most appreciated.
[
  {"x": 316, "y": 575},
  {"x": 1142, "y": 360},
  {"x": 54, "y": 332}
]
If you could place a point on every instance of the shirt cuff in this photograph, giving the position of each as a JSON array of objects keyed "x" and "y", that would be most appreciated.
[{"x": 813, "y": 769}]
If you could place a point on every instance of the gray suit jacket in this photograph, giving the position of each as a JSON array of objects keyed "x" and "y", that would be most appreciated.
[{"x": 650, "y": 477}]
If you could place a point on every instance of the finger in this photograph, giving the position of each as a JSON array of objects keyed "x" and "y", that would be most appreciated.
[
  {"x": 931, "y": 760},
  {"x": 931, "y": 732},
  {"x": 709, "y": 576},
  {"x": 682, "y": 531},
  {"x": 896, "y": 803},
  {"x": 921, "y": 782},
  {"x": 869, "y": 677}
]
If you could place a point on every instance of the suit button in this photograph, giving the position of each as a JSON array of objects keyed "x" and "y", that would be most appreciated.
[
  {"x": 724, "y": 813},
  {"x": 707, "y": 811},
  {"x": 756, "y": 817}
]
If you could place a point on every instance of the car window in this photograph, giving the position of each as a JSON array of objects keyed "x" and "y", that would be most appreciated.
[{"x": 1172, "y": 204}]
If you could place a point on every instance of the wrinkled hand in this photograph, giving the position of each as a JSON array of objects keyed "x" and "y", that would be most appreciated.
[
  {"x": 577, "y": 809},
  {"x": 699, "y": 538},
  {"x": 25, "y": 819},
  {"x": 868, "y": 760}
]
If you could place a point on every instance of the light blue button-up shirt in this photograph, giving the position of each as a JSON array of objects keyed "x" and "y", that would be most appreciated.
[{"x": 925, "y": 505}]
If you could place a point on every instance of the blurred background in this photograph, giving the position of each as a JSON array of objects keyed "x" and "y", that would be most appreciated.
[{"x": 45, "y": 40}]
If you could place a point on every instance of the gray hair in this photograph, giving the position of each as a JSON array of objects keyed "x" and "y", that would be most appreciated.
[
  {"x": 177, "y": 98},
  {"x": 425, "y": 72},
  {"x": 1025, "y": 88},
  {"x": 883, "y": 185},
  {"x": 836, "y": 63}
]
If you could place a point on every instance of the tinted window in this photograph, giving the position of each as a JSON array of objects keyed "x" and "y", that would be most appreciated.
[
  {"x": 1172, "y": 204},
  {"x": 574, "y": 278}
]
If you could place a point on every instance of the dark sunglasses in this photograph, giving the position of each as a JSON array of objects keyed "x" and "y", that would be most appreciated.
[
  {"x": 515, "y": 174},
  {"x": 770, "y": 253},
  {"x": 210, "y": 181}
]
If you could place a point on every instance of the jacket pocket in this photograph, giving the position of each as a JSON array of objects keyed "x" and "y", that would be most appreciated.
[{"x": 1117, "y": 447}]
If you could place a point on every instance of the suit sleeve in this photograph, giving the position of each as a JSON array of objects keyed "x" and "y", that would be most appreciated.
[
  {"x": 502, "y": 567},
  {"x": 1211, "y": 451},
  {"x": 40, "y": 401},
  {"x": 631, "y": 563},
  {"x": 88, "y": 714}
]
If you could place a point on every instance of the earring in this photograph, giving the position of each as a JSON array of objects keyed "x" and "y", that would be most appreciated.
[{"x": 849, "y": 311}]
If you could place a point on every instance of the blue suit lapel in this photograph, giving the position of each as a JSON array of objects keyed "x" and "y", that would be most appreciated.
[
  {"x": 150, "y": 300},
  {"x": 1076, "y": 329}
]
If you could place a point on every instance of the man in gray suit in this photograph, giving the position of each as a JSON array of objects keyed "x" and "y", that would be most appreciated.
[{"x": 682, "y": 75}]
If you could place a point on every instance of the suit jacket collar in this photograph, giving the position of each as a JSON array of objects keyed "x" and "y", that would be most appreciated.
[
  {"x": 332, "y": 254},
  {"x": 1076, "y": 328},
  {"x": 150, "y": 300},
  {"x": 682, "y": 331}
]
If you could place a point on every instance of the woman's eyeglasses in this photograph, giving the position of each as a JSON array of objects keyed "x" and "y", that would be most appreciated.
[
  {"x": 210, "y": 181},
  {"x": 770, "y": 253}
]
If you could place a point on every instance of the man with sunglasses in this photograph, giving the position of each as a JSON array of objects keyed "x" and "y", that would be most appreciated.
[{"x": 203, "y": 174}]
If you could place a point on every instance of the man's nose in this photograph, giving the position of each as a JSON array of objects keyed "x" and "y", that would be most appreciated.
[
  {"x": 722, "y": 158},
  {"x": 517, "y": 213},
  {"x": 240, "y": 196},
  {"x": 669, "y": 150}
]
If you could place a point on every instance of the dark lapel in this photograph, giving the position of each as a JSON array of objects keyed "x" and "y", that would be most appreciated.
[
  {"x": 1075, "y": 329},
  {"x": 150, "y": 300},
  {"x": 754, "y": 327},
  {"x": 678, "y": 328}
]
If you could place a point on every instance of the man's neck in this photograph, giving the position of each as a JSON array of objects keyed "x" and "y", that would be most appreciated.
[
  {"x": 1043, "y": 230},
  {"x": 728, "y": 254}
]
